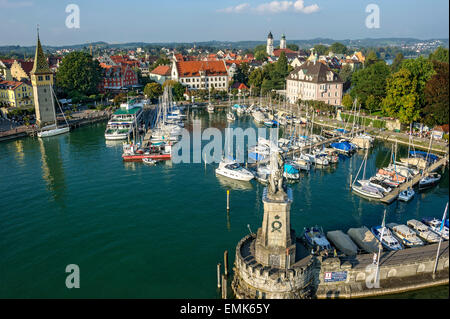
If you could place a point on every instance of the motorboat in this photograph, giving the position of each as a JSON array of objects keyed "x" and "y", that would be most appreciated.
[
  {"x": 232, "y": 169},
  {"x": 423, "y": 231},
  {"x": 316, "y": 239},
  {"x": 429, "y": 180},
  {"x": 435, "y": 225},
  {"x": 384, "y": 235},
  {"x": 406, "y": 235},
  {"x": 375, "y": 182},
  {"x": 406, "y": 195},
  {"x": 368, "y": 191},
  {"x": 271, "y": 123},
  {"x": 303, "y": 164},
  {"x": 291, "y": 171},
  {"x": 344, "y": 147},
  {"x": 259, "y": 117}
]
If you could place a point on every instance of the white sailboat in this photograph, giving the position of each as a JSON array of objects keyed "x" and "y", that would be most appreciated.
[{"x": 54, "y": 129}]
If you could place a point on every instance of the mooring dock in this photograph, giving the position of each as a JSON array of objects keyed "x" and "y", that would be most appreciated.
[{"x": 392, "y": 196}]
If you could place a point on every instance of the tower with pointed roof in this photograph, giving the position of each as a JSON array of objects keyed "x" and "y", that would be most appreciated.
[
  {"x": 269, "y": 47},
  {"x": 42, "y": 81},
  {"x": 283, "y": 42}
]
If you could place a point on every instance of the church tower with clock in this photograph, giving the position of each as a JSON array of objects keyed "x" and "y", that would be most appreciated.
[
  {"x": 268, "y": 264},
  {"x": 42, "y": 81}
]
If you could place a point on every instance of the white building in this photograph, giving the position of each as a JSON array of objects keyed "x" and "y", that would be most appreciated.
[{"x": 201, "y": 74}]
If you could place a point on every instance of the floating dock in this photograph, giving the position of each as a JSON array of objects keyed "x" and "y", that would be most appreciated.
[{"x": 392, "y": 196}]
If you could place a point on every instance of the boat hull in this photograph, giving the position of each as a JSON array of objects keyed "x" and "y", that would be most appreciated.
[
  {"x": 54, "y": 132},
  {"x": 140, "y": 157}
]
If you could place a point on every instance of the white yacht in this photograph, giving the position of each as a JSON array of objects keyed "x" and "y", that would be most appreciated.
[
  {"x": 423, "y": 231},
  {"x": 435, "y": 225},
  {"x": 232, "y": 169},
  {"x": 53, "y": 129},
  {"x": 124, "y": 121}
]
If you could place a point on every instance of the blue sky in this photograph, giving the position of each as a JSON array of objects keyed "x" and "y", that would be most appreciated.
[{"x": 202, "y": 20}]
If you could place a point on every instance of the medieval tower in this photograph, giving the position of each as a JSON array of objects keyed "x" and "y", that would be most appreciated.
[
  {"x": 283, "y": 42},
  {"x": 42, "y": 81}
]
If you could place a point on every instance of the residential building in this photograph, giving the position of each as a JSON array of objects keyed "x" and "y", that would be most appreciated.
[
  {"x": 314, "y": 80},
  {"x": 161, "y": 73},
  {"x": 20, "y": 70},
  {"x": 16, "y": 94},
  {"x": 117, "y": 77},
  {"x": 201, "y": 74}
]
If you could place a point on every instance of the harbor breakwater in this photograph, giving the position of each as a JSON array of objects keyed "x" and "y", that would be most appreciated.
[{"x": 324, "y": 277}]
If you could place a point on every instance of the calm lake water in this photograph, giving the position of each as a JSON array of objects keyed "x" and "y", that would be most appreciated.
[{"x": 138, "y": 231}]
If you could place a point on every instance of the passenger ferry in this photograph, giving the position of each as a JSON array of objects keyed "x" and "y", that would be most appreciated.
[{"x": 124, "y": 121}]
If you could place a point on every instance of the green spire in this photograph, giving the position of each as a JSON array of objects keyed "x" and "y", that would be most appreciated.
[{"x": 40, "y": 62}]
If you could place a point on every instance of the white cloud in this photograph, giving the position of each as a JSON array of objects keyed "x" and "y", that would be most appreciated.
[
  {"x": 274, "y": 7},
  {"x": 237, "y": 9},
  {"x": 17, "y": 4}
]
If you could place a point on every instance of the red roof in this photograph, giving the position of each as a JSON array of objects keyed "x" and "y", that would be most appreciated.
[
  {"x": 27, "y": 67},
  {"x": 162, "y": 70},
  {"x": 242, "y": 87},
  {"x": 11, "y": 84},
  {"x": 442, "y": 128},
  {"x": 288, "y": 52},
  {"x": 193, "y": 68}
]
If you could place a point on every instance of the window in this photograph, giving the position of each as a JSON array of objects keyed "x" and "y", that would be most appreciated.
[
  {"x": 47, "y": 77},
  {"x": 40, "y": 78}
]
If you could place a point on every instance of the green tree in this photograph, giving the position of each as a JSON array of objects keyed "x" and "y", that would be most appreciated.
[
  {"x": 396, "y": 64},
  {"x": 436, "y": 110},
  {"x": 153, "y": 90},
  {"x": 371, "y": 104},
  {"x": 440, "y": 55},
  {"x": 178, "y": 91},
  {"x": 256, "y": 78},
  {"x": 402, "y": 97},
  {"x": 321, "y": 49},
  {"x": 371, "y": 58},
  {"x": 347, "y": 101},
  {"x": 370, "y": 80},
  {"x": 422, "y": 70},
  {"x": 261, "y": 56},
  {"x": 292, "y": 46},
  {"x": 242, "y": 73},
  {"x": 345, "y": 73},
  {"x": 78, "y": 73},
  {"x": 338, "y": 48}
]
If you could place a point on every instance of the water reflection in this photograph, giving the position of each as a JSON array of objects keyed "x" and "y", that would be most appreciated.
[
  {"x": 52, "y": 168},
  {"x": 233, "y": 184}
]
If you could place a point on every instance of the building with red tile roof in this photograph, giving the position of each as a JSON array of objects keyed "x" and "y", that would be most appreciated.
[
  {"x": 161, "y": 73},
  {"x": 117, "y": 77},
  {"x": 16, "y": 94},
  {"x": 201, "y": 74}
]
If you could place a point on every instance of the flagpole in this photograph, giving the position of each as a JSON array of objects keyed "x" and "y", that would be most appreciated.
[
  {"x": 440, "y": 240},
  {"x": 380, "y": 247}
]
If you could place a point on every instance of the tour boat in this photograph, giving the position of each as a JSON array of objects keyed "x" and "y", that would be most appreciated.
[
  {"x": 406, "y": 236},
  {"x": 406, "y": 195},
  {"x": 423, "y": 231},
  {"x": 124, "y": 121},
  {"x": 387, "y": 240},
  {"x": 232, "y": 169},
  {"x": 429, "y": 180},
  {"x": 316, "y": 239},
  {"x": 435, "y": 225}
]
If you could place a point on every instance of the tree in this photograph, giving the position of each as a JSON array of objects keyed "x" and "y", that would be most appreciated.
[
  {"x": 321, "y": 49},
  {"x": 347, "y": 101},
  {"x": 345, "y": 73},
  {"x": 153, "y": 90},
  {"x": 371, "y": 104},
  {"x": 178, "y": 91},
  {"x": 402, "y": 97},
  {"x": 370, "y": 80},
  {"x": 422, "y": 70},
  {"x": 242, "y": 73},
  {"x": 261, "y": 56},
  {"x": 436, "y": 92},
  {"x": 338, "y": 48},
  {"x": 292, "y": 46},
  {"x": 371, "y": 58},
  {"x": 256, "y": 78},
  {"x": 396, "y": 64},
  {"x": 440, "y": 55},
  {"x": 78, "y": 73}
]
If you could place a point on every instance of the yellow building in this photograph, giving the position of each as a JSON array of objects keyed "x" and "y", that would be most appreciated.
[{"x": 16, "y": 94}]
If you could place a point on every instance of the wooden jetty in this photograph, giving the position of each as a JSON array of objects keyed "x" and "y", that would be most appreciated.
[{"x": 392, "y": 196}]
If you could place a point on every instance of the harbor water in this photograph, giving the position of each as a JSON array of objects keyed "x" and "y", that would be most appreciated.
[{"x": 138, "y": 231}]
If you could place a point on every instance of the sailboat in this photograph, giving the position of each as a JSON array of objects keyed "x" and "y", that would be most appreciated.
[
  {"x": 385, "y": 237},
  {"x": 230, "y": 115},
  {"x": 429, "y": 179},
  {"x": 52, "y": 130},
  {"x": 365, "y": 188}
]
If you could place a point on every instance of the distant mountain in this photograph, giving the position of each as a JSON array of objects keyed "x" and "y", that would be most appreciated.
[{"x": 304, "y": 44}]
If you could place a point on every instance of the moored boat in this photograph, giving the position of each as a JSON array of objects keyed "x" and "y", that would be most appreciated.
[{"x": 423, "y": 231}]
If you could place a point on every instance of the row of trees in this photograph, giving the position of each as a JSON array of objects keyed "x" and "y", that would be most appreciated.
[{"x": 409, "y": 89}]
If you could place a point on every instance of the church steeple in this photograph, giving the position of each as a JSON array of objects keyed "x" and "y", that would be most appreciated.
[{"x": 40, "y": 62}]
